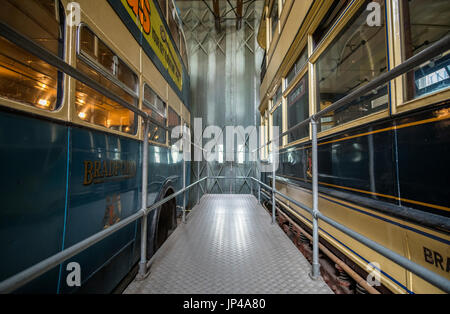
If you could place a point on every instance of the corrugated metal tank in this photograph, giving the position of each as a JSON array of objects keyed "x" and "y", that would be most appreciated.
[{"x": 225, "y": 71}]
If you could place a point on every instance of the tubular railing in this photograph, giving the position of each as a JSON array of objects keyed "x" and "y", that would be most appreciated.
[
  {"x": 22, "y": 278},
  {"x": 13, "y": 283},
  {"x": 424, "y": 273},
  {"x": 431, "y": 52}
]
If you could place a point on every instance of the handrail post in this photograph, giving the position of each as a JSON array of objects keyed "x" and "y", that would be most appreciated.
[
  {"x": 258, "y": 169},
  {"x": 184, "y": 187},
  {"x": 315, "y": 189},
  {"x": 274, "y": 204},
  {"x": 198, "y": 178},
  {"x": 251, "y": 185},
  {"x": 143, "y": 261}
]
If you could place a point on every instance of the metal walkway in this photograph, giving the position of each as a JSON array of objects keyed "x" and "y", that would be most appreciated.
[{"x": 229, "y": 246}]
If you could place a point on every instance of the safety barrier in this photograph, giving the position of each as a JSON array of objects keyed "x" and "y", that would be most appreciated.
[
  {"x": 24, "y": 277},
  {"x": 35, "y": 271},
  {"x": 431, "y": 52}
]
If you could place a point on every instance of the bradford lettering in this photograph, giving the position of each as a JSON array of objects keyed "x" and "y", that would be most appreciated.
[{"x": 99, "y": 171}]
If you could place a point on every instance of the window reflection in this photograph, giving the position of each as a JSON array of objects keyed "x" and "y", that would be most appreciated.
[
  {"x": 92, "y": 48},
  {"x": 277, "y": 97},
  {"x": 155, "y": 108},
  {"x": 355, "y": 57},
  {"x": 99, "y": 62},
  {"x": 425, "y": 22},
  {"x": 297, "y": 67},
  {"x": 274, "y": 17},
  {"x": 298, "y": 109},
  {"x": 173, "y": 25},
  {"x": 277, "y": 118},
  {"x": 334, "y": 12},
  {"x": 174, "y": 121},
  {"x": 24, "y": 77}
]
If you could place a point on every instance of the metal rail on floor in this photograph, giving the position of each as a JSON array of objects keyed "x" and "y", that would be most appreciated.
[
  {"x": 429, "y": 53},
  {"x": 424, "y": 273}
]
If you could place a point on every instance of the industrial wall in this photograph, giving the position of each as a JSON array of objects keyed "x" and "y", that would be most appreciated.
[{"x": 224, "y": 62}]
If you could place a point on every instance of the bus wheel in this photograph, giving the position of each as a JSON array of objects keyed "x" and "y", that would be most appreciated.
[{"x": 166, "y": 221}]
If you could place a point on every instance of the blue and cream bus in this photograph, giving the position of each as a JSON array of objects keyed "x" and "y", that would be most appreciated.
[{"x": 70, "y": 156}]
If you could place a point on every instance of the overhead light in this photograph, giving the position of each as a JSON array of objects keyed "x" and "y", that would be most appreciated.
[
  {"x": 43, "y": 103},
  {"x": 41, "y": 85},
  {"x": 82, "y": 115}
]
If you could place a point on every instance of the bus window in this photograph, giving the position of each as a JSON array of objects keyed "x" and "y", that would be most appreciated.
[
  {"x": 425, "y": 22},
  {"x": 95, "y": 50},
  {"x": 23, "y": 76},
  {"x": 274, "y": 17},
  {"x": 277, "y": 120},
  {"x": 334, "y": 12},
  {"x": 173, "y": 25},
  {"x": 277, "y": 97},
  {"x": 174, "y": 121},
  {"x": 162, "y": 6},
  {"x": 298, "y": 109},
  {"x": 99, "y": 62},
  {"x": 355, "y": 57},
  {"x": 297, "y": 67},
  {"x": 156, "y": 108}
]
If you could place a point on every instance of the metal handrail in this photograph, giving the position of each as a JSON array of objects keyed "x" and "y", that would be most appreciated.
[
  {"x": 431, "y": 52},
  {"x": 35, "y": 271},
  {"x": 422, "y": 272},
  {"x": 24, "y": 277},
  {"x": 13, "y": 283},
  {"x": 55, "y": 61}
]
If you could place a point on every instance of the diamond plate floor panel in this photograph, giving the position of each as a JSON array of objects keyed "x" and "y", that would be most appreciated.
[{"x": 229, "y": 246}]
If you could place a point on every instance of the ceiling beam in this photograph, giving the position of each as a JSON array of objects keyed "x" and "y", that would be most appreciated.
[
  {"x": 217, "y": 17},
  {"x": 239, "y": 8}
]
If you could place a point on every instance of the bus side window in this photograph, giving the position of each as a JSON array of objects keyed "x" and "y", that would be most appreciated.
[
  {"x": 355, "y": 57},
  {"x": 298, "y": 109},
  {"x": 174, "y": 121},
  {"x": 425, "y": 22},
  {"x": 24, "y": 77},
  {"x": 100, "y": 63},
  {"x": 156, "y": 108},
  {"x": 274, "y": 18}
]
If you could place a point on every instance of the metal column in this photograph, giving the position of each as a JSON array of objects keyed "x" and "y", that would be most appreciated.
[
  {"x": 184, "y": 187},
  {"x": 143, "y": 262},
  {"x": 185, "y": 151},
  {"x": 274, "y": 204},
  {"x": 258, "y": 171},
  {"x": 315, "y": 189},
  {"x": 198, "y": 178}
]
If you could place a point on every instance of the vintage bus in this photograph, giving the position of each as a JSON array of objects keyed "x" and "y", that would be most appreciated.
[
  {"x": 70, "y": 156},
  {"x": 383, "y": 159}
]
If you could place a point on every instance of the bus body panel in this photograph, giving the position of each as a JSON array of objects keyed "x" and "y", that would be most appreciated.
[{"x": 33, "y": 192}]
